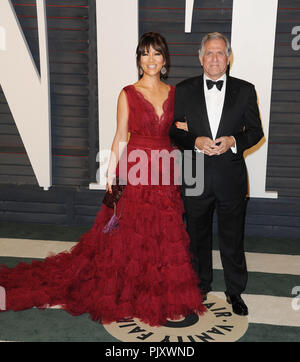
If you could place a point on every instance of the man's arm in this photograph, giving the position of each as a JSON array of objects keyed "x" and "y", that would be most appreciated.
[
  {"x": 252, "y": 132},
  {"x": 183, "y": 139}
]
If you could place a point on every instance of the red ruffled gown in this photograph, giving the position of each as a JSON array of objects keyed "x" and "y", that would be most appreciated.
[{"x": 142, "y": 269}]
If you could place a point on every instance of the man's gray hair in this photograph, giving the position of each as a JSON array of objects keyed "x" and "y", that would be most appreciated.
[{"x": 211, "y": 36}]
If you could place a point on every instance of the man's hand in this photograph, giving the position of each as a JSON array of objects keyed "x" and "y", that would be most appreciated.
[
  {"x": 206, "y": 145},
  {"x": 209, "y": 147},
  {"x": 224, "y": 143}
]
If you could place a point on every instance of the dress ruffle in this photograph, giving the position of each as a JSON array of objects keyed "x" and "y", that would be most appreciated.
[{"x": 140, "y": 270}]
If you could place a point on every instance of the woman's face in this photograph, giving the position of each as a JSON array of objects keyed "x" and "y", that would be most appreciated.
[{"x": 152, "y": 61}]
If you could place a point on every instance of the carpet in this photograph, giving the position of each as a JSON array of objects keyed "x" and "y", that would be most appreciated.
[{"x": 272, "y": 296}]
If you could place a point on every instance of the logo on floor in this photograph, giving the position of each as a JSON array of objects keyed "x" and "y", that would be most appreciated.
[{"x": 217, "y": 324}]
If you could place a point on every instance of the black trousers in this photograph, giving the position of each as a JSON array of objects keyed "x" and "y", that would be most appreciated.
[{"x": 231, "y": 221}]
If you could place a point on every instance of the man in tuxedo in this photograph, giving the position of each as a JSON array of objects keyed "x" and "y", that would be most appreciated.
[{"x": 222, "y": 121}]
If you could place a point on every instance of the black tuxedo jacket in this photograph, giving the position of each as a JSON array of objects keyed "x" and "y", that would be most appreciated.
[{"x": 225, "y": 175}]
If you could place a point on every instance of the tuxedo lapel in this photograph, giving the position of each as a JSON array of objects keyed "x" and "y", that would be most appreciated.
[
  {"x": 202, "y": 107},
  {"x": 230, "y": 98}
]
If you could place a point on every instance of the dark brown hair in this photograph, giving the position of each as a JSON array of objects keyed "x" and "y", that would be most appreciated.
[{"x": 158, "y": 42}]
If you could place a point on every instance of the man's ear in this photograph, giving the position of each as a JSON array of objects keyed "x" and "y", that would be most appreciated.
[{"x": 201, "y": 60}]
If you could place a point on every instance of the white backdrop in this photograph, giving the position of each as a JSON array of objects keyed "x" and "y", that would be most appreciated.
[
  {"x": 116, "y": 42},
  {"x": 27, "y": 92},
  {"x": 253, "y": 41}
]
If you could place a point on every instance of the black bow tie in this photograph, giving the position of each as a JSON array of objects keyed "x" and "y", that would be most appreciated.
[{"x": 211, "y": 83}]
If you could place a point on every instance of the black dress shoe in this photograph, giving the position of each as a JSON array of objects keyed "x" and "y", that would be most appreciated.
[{"x": 238, "y": 305}]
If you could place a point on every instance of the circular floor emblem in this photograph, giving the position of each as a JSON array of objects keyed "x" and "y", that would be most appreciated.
[{"x": 218, "y": 324}]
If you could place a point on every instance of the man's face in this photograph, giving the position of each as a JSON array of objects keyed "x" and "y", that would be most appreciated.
[{"x": 215, "y": 59}]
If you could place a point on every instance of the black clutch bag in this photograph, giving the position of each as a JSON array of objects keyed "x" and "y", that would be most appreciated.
[{"x": 111, "y": 199}]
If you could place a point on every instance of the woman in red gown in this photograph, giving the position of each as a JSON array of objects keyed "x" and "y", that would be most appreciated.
[{"x": 141, "y": 269}]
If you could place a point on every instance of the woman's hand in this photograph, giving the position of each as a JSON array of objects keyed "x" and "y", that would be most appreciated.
[
  {"x": 109, "y": 181},
  {"x": 108, "y": 187},
  {"x": 182, "y": 125}
]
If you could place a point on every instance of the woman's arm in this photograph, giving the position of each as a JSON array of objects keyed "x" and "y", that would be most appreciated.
[{"x": 120, "y": 138}]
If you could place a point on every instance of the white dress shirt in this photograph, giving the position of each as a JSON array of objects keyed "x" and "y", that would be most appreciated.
[{"x": 214, "y": 99}]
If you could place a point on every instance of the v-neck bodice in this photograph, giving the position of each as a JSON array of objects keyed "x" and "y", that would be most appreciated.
[
  {"x": 154, "y": 109},
  {"x": 143, "y": 118}
]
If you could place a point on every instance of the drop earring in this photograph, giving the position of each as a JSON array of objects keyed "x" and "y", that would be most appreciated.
[
  {"x": 141, "y": 71},
  {"x": 163, "y": 70}
]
